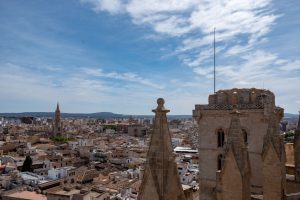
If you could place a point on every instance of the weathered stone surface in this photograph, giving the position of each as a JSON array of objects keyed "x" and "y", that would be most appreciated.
[
  {"x": 57, "y": 125},
  {"x": 161, "y": 180},
  {"x": 273, "y": 156},
  {"x": 233, "y": 181},
  {"x": 256, "y": 106},
  {"x": 297, "y": 152}
]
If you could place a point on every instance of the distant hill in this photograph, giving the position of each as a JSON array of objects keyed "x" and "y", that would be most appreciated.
[
  {"x": 102, "y": 115},
  {"x": 289, "y": 115},
  {"x": 64, "y": 115}
]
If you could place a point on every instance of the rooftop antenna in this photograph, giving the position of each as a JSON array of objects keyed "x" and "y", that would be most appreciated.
[{"x": 214, "y": 60}]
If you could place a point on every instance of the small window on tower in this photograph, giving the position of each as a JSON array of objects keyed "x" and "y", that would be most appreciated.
[
  {"x": 221, "y": 138},
  {"x": 245, "y": 136},
  {"x": 220, "y": 160}
]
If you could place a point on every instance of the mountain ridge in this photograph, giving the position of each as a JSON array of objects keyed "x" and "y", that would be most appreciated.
[
  {"x": 99, "y": 115},
  {"x": 82, "y": 115}
]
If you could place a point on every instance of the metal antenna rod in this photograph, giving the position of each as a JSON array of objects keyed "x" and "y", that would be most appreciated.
[{"x": 214, "y": 60}]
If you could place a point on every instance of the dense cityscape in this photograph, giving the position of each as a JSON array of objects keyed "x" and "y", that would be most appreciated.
[{"x": 105, "y": 158}]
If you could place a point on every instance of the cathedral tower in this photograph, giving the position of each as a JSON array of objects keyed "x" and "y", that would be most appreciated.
[
  {"x": 161, "y": 179},
  {"x": 214, "y": 120},
  {"x": 57, "y": 124}
]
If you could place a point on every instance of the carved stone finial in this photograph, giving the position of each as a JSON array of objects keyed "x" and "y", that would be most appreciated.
[{"x": 160, "y": 105}]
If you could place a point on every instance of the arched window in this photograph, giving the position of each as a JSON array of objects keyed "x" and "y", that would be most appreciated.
[
  {"x": 245, "y": 136},
  {"x": 221, "y": 137},
  {"x": 220, "y": 160}
]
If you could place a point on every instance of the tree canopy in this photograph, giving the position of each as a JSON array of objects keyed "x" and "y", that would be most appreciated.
[{"x": 27, "y": 165}]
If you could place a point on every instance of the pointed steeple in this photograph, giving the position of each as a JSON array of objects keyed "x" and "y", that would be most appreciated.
[
  {"x": 298, "y": 127},
  {"x": 273, "y": 157},
  {"x": 161, "y": 180},
  {"x": 235, "y": 135},
  {"x": 57, "y": 125},
  {"x": 57, "y": 107},
  {"x": 273, "y": 138},
  {"x": 236, "y": 164},
  {"x": 235, "y": 141},
  {"x": 297, "y": 151}
]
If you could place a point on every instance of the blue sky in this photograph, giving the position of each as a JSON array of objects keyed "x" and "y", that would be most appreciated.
[{"x": 121, "y": 55}]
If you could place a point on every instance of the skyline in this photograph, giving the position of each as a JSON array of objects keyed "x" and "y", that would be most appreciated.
[{"x": 120, "y": 56}]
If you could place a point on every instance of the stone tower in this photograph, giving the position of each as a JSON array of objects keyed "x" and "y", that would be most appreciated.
[
  {"x": 214, "y": 121},
  {"x": 233, "y": 179},
  {"x": 57, "y": 124},
  {"x": 273, "y": 156},
  {"x": 297, "y": 152},
  {"x": 161, "y": 179}
]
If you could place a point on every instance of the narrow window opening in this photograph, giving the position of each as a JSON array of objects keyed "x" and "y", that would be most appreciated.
[
  {"x": 221, "y": 137},
  {"x": 245, "y": 136},
  {"x": 220, "y": 158}
]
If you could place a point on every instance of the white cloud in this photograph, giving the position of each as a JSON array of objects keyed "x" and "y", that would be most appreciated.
[
  {"x": 112, "y": 6},
  {"x": 232, "y": 18},
  {"x": 20, "y": 82},
  {"x": 129, "y": 76},
  {"x": 241, "y": 26},
  {"x": 80, "y": 92},
  {"x": 203, "y": 71},
  {"x": 290, "y": 66},
  {"x": 256, "y": 68},
  {"x": 238, "y": 49}
]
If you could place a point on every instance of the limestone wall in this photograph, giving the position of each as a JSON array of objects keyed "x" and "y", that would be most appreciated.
[
  {"x": 255, "y": 106},
  {"x": 256, "y": 128},
  {"x": 289, "y": 150}
]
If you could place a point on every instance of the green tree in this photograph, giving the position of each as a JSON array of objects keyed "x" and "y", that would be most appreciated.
[
  {"x": 27, "y": 165},
  {"x": 289, "y": 134}
]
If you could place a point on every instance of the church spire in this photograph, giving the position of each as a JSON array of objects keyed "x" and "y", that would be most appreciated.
[
  {"x": 273, "y": 157},
  {"x": 297, "y": 151},
  {"x": 57, "y": 106},
  {"x": 298, "y": 127},
  {"x": 273, "y": 138},
  {"x": 235, "y": 141},
  {"x": 161, "y": 180},
  {"x": 57, "y": 124},
  {"x": 236, "y": 164}
]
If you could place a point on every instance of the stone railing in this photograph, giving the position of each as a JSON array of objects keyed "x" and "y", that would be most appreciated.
[{"x": 229, "y": 106}]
